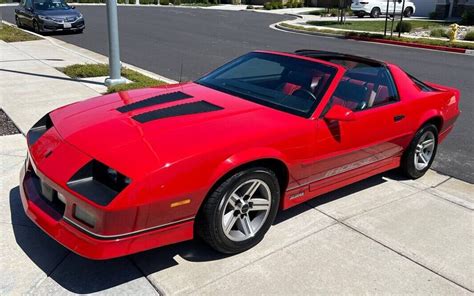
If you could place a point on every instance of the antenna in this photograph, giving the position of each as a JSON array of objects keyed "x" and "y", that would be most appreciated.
[{"x": 181, "y": 71}]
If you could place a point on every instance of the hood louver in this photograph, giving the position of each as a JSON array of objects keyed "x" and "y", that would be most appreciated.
[
  {"x": 178, "y": 110},
  {"x": 161, "y": 99}
]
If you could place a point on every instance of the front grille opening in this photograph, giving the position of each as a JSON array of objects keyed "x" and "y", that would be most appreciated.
[{"x": 49, "y": 196}]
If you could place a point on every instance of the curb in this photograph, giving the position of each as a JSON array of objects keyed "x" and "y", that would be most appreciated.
[
  {"x": 413, "y": 44},
  {"x": 378, "y": 40},
  {"x": 280, "y": 27}
]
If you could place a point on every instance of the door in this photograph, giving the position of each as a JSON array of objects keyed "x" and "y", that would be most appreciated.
[
  {"x": 28, "y": 14},
  {"x": 375, "y": 133}
]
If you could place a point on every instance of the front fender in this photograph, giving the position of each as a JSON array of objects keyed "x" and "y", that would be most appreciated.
[{"x": 245, "y": 157}]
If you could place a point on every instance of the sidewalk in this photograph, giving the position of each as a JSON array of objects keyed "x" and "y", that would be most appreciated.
[{"x": 379, "y": 236}]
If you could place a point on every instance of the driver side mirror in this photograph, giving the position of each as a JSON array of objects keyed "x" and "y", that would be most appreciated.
[
  {"x": 72, "y": 7},
  {"x": 340, "y": 113}
]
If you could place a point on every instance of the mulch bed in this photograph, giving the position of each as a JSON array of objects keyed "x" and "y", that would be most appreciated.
[{"x": 7, "y": 127}]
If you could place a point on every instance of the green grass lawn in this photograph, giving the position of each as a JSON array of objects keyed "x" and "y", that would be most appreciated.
[
  {"x": 96, "y": 70},
  {"x": 12, "y": 34},
  {"x": 376, "y": 26}
]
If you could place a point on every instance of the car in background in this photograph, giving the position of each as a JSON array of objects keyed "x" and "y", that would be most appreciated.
[
  {"x": 48, "y": 16},
  {"x": 375, "y": 8},
  {"x": 219, "y": 157}
]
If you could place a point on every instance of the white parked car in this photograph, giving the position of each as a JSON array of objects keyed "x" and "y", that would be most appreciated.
[{"x": 375, "y": 8}]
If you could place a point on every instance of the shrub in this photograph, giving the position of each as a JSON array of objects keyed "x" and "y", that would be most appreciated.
[
  {"x": 289, "y": 4},
  {"x": 403, "y": 27},
  {"x": 434, "y": 15},
  {"x": 280, "y": 5},
  {"x": 267, "y": 6},
  {"x": 438, "y": 32},
  {"x": 468, "y": 17},
  {"x": 164, "y": 2},
  {"x": 274, "y": 5},
  {"x": 469, "y": 36},
  {"x": 315, "y": 12},
  {"x": 249, "y": 7}
]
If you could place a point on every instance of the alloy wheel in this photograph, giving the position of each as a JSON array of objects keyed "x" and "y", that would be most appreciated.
[
  {"x": 424, "y": 150},
  {"x": 246, "y": 210}
]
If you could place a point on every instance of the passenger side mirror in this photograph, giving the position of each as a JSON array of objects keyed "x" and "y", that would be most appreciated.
[{"x": 340, "y": 113}]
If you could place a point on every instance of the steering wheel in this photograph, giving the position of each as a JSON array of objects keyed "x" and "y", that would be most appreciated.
[{"x": 304, "y": 93}]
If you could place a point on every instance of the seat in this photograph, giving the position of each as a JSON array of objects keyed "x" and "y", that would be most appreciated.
[{"x": 351, "y": 95}]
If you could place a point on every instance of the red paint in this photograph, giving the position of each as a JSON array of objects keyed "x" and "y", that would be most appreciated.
[{"x": 183, "y": 157}]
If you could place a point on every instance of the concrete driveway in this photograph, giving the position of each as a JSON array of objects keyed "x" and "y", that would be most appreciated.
[{"x": 384, "y": 235}]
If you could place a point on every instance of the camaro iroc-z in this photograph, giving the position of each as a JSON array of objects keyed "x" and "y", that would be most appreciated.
[{"x": 218, "y": 157}]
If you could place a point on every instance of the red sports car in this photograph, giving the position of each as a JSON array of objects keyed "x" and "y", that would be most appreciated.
[{"x": 218, "y": 157}]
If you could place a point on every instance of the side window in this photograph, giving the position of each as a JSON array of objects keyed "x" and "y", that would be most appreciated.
[
  {"x": 22, "y": 3},
  {"x": 364, "y": 87},
  {"x": 28, "y": 4}
]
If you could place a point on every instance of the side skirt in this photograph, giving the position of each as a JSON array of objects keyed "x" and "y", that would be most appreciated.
[{"x": 309, "y": 191}]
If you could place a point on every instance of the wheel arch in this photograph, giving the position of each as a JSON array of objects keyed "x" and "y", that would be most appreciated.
[
  {"x": 433, "y": 117},
  {"x": 264, "y": 158}
]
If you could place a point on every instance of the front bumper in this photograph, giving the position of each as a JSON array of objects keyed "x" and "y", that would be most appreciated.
[
  {"x": 53, "y": 26},
  {"x": 50, "y": 219}
]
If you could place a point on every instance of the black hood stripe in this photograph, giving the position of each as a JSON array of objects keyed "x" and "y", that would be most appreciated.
[
  {"x": 161, "y": 99},
  {"x": 178, "y": 110}
]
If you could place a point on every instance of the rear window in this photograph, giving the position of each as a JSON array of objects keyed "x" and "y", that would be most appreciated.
[{"x": 421, "y": 85}]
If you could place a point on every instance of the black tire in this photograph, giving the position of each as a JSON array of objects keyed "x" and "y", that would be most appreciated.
[
  {"x": 408, "y": 12},
  {"x": 360, "y": 15},
  {"x": 209, "y": 221},
  {"x": 18, "y": 22},
  {"x": 36, "y": 27},
  {"x": 375, "y": 13},
  {"x": 408, "y": 166},
  {"x": 79, "y": 31}
]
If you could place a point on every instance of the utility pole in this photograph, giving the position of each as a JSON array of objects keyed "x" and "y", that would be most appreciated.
[
  {"x": 386, "y": 19},
  {"x": 393, "y": 17},
  {"x": 401, "y": 19},
  {"x": 114, "y": 48}
]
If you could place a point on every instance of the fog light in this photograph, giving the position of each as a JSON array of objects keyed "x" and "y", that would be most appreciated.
[{"x": 84, "y": 216}]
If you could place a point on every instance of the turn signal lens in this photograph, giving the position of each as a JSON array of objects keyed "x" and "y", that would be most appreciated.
[{"x": 84, "y": 216}]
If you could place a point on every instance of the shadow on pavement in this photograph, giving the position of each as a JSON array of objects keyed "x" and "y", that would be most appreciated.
[
  {"x": 53, "y": 77},
  {"x": 81, "y": 275}
]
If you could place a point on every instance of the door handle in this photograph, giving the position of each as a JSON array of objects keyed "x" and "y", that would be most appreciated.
[{"x": 398, "y": 117}]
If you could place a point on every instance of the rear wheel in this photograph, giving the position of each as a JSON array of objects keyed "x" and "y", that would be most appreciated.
[
  {"x": 408, "y": 12},
  {"x": 240, "y": 211},
  {"x": 420, "y": 154},
  {"x": 375, "y": 13},
  {"x": 360, "y": 15}
]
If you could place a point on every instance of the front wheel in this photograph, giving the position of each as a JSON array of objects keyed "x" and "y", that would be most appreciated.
[
  {"x": 420, "y": 154},
  {"x": 375, "y": 13},
  {"x": 18, "y": 22},
  {"x": 36, "y": 27},
  {"x": 240, "y": 211}
]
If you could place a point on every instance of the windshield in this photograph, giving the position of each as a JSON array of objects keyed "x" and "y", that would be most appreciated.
[
  {"x": 286, "y": 83},
  {"x": 51, "y": 5}
]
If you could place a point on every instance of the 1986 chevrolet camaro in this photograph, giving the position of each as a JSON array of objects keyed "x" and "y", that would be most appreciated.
[{"x": 218, "y": 157}]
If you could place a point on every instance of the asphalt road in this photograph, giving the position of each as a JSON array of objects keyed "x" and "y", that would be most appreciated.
[{"x": 186, "y": 43}]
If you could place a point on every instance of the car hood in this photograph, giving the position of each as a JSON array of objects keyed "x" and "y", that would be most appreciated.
[
  {"x": 99, "y": 129},
  {"x": 59, "y": 13}
]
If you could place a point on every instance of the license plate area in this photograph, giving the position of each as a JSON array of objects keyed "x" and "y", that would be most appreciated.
[{"x": 67, "y": 25}]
